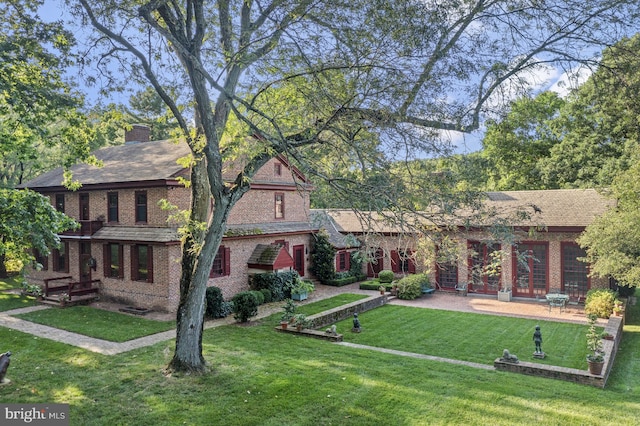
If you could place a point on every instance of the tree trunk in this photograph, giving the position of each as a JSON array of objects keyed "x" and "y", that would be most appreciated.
[
  {"x": 3, "y": 267},
  {"x": 188, "y": 356}
]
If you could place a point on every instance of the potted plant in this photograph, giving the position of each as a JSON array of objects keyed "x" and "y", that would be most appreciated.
[
  {"x": 606, "y": 336},
  {"x": 618, "y": 307},
  {"x": 504, "y": 295},
  {"x": 595, "y": 358},
  {"x": 382, "y": 289},
  {"x": 63, "y": 298},
  {"x": 300, "y": 321},
  {"x": 301, "y": 289},
  {"x": 288, "y": 314}
]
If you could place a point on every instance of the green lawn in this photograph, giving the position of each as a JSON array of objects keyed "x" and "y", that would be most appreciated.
[
  {"x": 10, "y": 301},
  {"x": 467, "y": 336},
  {"x": 106, "y": 325},
  {"x": 261, "y": 377}
]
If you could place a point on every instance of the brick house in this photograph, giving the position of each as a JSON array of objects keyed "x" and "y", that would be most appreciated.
[
  {"x": 545, "y": 255},
  {"x": 127, "y": 247}
]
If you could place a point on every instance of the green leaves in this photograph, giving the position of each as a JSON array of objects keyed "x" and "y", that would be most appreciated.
[{"x": 29, "y": 222}]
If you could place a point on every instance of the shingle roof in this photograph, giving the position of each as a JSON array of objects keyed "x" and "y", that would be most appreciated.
[
  {"x": 558, "y": 207},
  {"x": 269, "y": 228},
  {"x": 265, "y": 254},
  {"x": 137, "y": 233},
  {"x": 549, "y": 208},
  {"x": 142, "y": 161}
]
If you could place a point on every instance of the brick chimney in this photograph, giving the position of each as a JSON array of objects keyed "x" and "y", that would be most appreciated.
[{"x": 138, "y": 133}]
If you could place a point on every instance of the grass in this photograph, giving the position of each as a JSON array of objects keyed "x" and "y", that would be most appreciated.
[
  {"x": 10, "y": 301},
  {"x": 435, "y": 332},
  {"x": 260, "y": 377},
  {"x": 98, "y": 323}
]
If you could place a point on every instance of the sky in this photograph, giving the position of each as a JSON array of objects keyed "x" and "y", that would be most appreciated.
[{"x": 550, "y": 79}]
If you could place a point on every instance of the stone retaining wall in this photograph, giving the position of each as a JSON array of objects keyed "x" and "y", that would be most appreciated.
[
  {"x": 613, "y": 327},
  {"x": 340, "y": 313}
]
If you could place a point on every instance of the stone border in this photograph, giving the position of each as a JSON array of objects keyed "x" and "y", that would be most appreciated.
[
  {"x": 614, "y": 327},
  {"x": 340, "y": 313}
]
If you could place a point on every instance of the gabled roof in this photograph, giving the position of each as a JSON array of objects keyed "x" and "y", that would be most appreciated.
[
  {"x": 270, "y": 257},
  {"x": 337, "y": 238},
  {"x": 134, "y": 162}
]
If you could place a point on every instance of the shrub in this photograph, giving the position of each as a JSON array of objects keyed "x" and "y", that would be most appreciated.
[
  {"x": 259, "y": 296},
  {"x": 410, "y": 287},
  {"x": 266, "y": 294},
  {"x": 385, "y": 277},
  {"x": 323, "y": 257},
  {"x": 339, "y": 282},
  {"x": 599, "y": 302},
  {"x": 279, "y": 284},
  {"x": 214, "y": 303},
  {"x": 356, "y": 260},
  {"x": 374, "y": 285},
  {"x": 245, "y": 306}
]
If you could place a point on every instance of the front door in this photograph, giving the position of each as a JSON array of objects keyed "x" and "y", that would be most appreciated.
[
  {"x": 85, "y": 262},
  {"x": 298, "y": 259}
]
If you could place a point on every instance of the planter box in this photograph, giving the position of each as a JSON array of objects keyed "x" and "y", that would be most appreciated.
[
  {"x": 301, "y": 296},
  {"x": 504, "y": 296}
]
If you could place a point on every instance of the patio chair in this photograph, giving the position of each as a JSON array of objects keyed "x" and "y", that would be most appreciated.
[{"x": 557, "y": 303}]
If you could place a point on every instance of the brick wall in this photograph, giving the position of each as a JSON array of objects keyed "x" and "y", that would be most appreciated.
[
  {"x": 240, "y": 251},
  {"x": 258, "y": 206}
]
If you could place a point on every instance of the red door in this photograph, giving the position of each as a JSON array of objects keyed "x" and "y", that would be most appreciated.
[{"x": 298, "y": 259}]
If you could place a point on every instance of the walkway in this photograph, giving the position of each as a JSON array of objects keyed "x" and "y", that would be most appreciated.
[{"x": 439, "y": 300}]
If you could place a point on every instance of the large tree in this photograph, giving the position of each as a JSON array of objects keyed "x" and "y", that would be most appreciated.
[
  {"x": 29, "y": 224},
  {"x": 598, "y": 127},
  {"x": 404, "y": 70},
  {"x": 515, "y": 145},
  {"x": 612, "y": 241},
  {"x": 40, "y": 124}
]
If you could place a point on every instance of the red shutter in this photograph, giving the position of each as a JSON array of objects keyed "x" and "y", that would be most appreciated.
[
  {"x": 134, "y": 262},
  {"x": 412, "y": 262},
  {"x": 347, "y": 262},
  {"x": 150, "y": 264},
  {"x": 120, "y": 261},
  {"x": 227, "y": 261},
  {"x": 106, "y": 264},
  {"x": 66, "y": 257},
  {"x": 395, "y": 261}
]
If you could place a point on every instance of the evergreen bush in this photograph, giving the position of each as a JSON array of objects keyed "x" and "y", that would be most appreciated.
[
  {"x": 214, "y": 303},
  {"x": 279, "y": 284},
  {"x": 245, "y": 306},
  {"x": 323, "y": 258},
  {"x": 385, "y": 276},
  {"x": 266, "y": 294}
]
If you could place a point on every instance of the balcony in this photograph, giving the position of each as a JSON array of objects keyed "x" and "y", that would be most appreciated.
[{"x": 87, "y": 228}]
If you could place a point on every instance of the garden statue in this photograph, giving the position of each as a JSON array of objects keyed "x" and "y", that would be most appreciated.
[
  {"x": 537, "y": 339},
  {"x": 356, "y": 323},
  {"x": 4, "y": 364},
  {"x": 331, "y": 331},
  {"x": 507, "y": 357}
]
